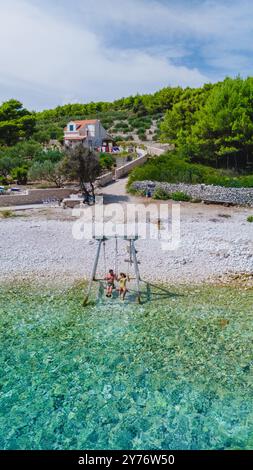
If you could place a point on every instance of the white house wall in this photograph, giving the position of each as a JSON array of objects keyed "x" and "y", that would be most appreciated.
[{"x": 96, "y": 134}]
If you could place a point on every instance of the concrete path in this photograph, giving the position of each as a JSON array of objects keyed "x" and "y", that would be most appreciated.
[
  {"x": 116, "y": 193},
  {"x": 25, "y": 207}
]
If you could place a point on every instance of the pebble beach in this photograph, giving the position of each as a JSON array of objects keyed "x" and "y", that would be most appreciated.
[{"x": 215, "y": 242}]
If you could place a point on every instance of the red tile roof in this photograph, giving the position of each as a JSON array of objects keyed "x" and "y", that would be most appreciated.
[
  {"x": 83, "y": 123},
  {"x": 86, "y": 121}
]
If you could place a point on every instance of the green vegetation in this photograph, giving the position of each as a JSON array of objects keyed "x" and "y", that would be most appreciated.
[
  {"x": 180, "y": 196},
  {"x": 21, "y": 161},
  {"x": 82, "y": 164},
  {"x": 250, "y": 218},
  {"x": 47, "y": 171},
  {"x": 172, "y": 169},
  {"x": 214, "y": 125},
  {"x": 6, "y": 214},
  {"x": 160, "y": 194},
  {"x": 211, "y": 128},
  {"x": 20, "y": 174},
  {"x": 16, "y": 122},
  {"x": 107, "y": 161},
  {"x": 140, "y": 192}
]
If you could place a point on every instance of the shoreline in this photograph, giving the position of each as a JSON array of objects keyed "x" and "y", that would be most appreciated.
[
  {"x": 215, "y": 243},
  {"x": 242, "y": 281}
]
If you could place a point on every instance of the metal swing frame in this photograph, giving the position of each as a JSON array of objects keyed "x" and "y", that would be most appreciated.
[{"x": 132, "y": 260}]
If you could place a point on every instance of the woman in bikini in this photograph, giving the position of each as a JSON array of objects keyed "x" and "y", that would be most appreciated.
[{"x": 122, "y": 285}]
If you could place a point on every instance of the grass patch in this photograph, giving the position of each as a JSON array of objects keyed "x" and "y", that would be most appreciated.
[
  {"x": 180, "y": 196},
  {"x": 7, "y": 213},
  {"x": 250, "y": 219},
  {"x": 140, "y": 192},
  {"x": 163, "y": 195}
]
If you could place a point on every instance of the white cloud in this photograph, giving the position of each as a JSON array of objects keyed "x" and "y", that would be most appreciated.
[
  {"x": 62, "y": 62},
  {"x": 51, "y": 54},
  {"x": 210, "y": 17},
  {"x": 218, "y": 31}
]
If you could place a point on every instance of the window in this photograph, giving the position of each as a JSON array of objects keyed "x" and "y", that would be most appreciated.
[
  {"x": 91, "y": 130},
  {"x": 71, "y": 127}
]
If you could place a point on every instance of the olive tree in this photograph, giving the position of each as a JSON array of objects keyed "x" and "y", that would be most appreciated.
[
  {"x": 47, "y": 171},
  {"x": 82, "y": 164}
]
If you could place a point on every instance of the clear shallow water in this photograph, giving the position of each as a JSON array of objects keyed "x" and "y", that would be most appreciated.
[{"x": 172, "y": 373}]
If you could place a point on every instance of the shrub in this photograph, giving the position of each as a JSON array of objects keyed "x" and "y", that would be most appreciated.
[
  {"x": 107, "y": 161},
  {"x": 180, "y": 196},
  {"x": 140, "y": 192},
  {"x": 160, "y": 193},
  {"x": 132, "y": 190},
  {"x": 7, "y": 213},
  {"x": 47, "y": 171},
  {"x": 196, "y": 200},
  {"x": 142, "y": 130},
  {"x": 173, "y": 169},
  {"x": 124, "y": 130},
  {"x": 121, "y": 126},
  {"x": 142, "y": 136},
  {"x": 20, "y": 175},
  {"x": 3, "y": 180},
  {"x": 6, "y": 180},
  {"x": 53, "y": 155},
  {"x": 250, "y": 218}
]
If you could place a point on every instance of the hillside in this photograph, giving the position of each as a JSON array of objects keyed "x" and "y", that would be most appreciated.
[
  {"x": 211, "y": 126},
  {"x": 136, "y": 115}
]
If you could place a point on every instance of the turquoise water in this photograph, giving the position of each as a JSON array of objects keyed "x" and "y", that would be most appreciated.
[{"x": 173, "y": 373}]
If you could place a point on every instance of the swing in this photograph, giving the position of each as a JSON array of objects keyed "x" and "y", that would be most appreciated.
[
  {"x": 106, "y": 270},
  {"x": 132, "y": 261},
  {"x": 116, "y": 257}
]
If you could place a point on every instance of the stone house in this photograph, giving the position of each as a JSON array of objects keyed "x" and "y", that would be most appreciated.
[{"x": 89, "y": 132}]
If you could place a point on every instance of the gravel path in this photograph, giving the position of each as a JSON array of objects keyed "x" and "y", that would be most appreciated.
[{"x": 215, "y": 241}]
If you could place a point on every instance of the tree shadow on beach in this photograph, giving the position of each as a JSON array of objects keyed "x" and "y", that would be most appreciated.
[{"x": 114, "y": 198}]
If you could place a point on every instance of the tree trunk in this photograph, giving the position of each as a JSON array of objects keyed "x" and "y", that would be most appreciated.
[
  {"x": 92, "y": 189},
  {"x": 83, "y": 188},
  {"x": 235, "y": 160}
]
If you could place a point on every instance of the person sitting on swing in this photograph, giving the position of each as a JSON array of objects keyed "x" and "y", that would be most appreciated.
[
  {"x": 122, "y": 285},
  {"x": 110, "y": 278}
]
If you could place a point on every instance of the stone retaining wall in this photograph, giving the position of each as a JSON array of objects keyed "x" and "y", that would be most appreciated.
[
  {"x": 202, "y": 192},
  {"x": 125, "y": 169},
  {"x": 35, "y": 196},
  {"x": 105, "y": 179},
  {"x": 157, "y": 151}
]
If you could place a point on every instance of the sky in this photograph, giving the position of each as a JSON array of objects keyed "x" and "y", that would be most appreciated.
[{"x": 59, "y": 52}]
